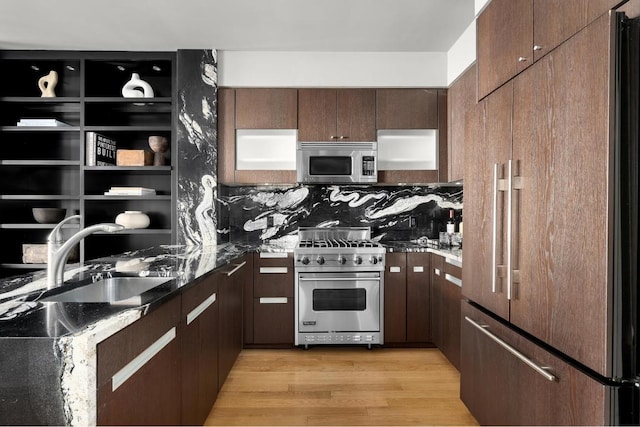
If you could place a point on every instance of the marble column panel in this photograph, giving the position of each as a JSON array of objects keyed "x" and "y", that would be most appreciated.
[{"x": 197, "y": 81}]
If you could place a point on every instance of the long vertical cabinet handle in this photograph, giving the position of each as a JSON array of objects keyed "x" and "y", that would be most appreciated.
[
  {"x": 539, "y": 369},
  {"x": 494, "y": 237},
  {"x": 509, "y": 225}
]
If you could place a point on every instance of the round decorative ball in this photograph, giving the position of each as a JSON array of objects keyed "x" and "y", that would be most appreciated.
[{"x": 133, "y": 219}]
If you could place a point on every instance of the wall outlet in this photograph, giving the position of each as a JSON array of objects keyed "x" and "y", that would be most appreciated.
[
  {"x": 413, "y": 223},
  {"x": 269, "y": 220}
]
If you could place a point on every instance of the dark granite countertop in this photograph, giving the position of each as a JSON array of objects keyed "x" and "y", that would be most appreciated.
[{"x": 23, "y": 315}]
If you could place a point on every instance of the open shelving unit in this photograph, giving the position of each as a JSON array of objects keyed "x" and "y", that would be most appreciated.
[{"x": 45, "y": 166}]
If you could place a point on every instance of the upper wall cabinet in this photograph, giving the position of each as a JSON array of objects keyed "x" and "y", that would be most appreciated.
[
  {"x": 512, "y": 34},
  {"x": 266, "y": 121},
  {"x": 504, "y": 42},
  {"x": 266, "y": 108},
  {"x": 407, "y": 109},
  {"x": 337, "y": 115},
  {"x": 463, "y": 120},
  {"x": 554, "y": 21}
]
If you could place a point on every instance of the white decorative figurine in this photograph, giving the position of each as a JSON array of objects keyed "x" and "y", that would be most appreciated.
[
  {"x": 47, "y": 84},
  {"x": 131, "y": 89}
]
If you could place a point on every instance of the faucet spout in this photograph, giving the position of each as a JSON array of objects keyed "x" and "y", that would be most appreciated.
[{"x": 58, "y": 250}]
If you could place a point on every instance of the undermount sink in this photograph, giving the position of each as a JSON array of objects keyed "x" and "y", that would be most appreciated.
[{"x": 110, "y": 290}]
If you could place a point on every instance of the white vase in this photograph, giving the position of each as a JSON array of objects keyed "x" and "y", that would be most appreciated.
[
  {"x": 133, "y": 219},
  {"x": 47, "y": 84},
  {"x": 131, "y": 89}
]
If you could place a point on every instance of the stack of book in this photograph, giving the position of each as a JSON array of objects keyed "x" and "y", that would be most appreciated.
[
  {"x": 41, "y": 122},
  {"x": 100, "y": 150},
  {"x": 130, "y": 191}
]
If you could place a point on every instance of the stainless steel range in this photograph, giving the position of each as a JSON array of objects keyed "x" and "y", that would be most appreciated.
[{"x": 339, "y": 287}]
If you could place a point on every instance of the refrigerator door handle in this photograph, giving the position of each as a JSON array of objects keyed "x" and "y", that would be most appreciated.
[
  {"x": 539, "y": 369},
  {"x": 509, "y": 224}
]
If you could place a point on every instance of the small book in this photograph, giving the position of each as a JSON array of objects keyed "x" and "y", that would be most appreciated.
[
  {"x": 100, "y": 150},
  {"x": 42, "y": 122},
  {"x": 130, "y": 191}
]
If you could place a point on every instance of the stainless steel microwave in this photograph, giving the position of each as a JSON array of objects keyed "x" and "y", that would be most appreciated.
[{"x": 337, "y": 162}]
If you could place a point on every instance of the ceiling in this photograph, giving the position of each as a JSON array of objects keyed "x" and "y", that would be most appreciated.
[{"x": 244, "y": 25}]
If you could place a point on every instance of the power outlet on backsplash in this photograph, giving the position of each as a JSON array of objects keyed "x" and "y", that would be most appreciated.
[{"x": 413, "y": 222}]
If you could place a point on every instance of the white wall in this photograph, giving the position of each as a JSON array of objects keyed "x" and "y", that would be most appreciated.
[
  {"x": 462, "y": 53},
  {"x": 332, "y": 69},
  {"x": 349, "y": 69}
]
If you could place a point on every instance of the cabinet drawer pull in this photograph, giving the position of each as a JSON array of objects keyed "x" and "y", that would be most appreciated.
[
  {"x": 193, "y": 315},
  {"x": 274, "y": 270},
  {"x": 522, "y": 59},
  {"x": 273, "y": 300},
  {"x": 140, "y": 360},
  {"x": 418, "y": 269},
  {"x": 394, "y": 269},
  {"x": 273, "y": 254},
  {"x": 537, "y": 47},
  {"x": 238, "y": 267},
  {"x": 453, "y": 279},
  {"x": 539, "y": 369}
]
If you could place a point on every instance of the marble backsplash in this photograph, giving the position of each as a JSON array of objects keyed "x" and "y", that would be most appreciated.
[{"x": 253, "y": 214}]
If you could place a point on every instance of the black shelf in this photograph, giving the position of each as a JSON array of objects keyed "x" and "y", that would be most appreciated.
[
  {"x": 122, "y": 100},
  {"x": 120, "y": 198},
  {"x": 39, "y": 128},
  {"x": 40, "y": 162},
  {"x": 32, "y": 226},
  {"x": 39, "y": 100},
  {"x": 138, "y": 169},
  {"x": 38, "y": 197},
  {"x": 137, "y": 231},
  {"x": 126, "y": 128},
  {"x": 50, "y": 160}
]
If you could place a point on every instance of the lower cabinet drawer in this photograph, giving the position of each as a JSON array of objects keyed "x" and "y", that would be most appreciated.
[
  {"x": 273, "y": 320},
  {"x": 507, "y": 379}
]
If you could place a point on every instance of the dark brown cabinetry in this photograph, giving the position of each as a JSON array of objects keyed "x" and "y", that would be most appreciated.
[
  {"x": 414, "y": 109},
  {"x": 445, "y": 307},
  {"x": 406, "y": 109},
  {"x": 337, "y": 115},
  {"x": 199, "y": 335},
  {"x": 512, "y": 34},
  {"x": 504, "y": 42},
  {"x": 266, "y": 108},
  {"x": 52, "y": 158},
  {"x": 407, "y": 291},
  {"x": 557, "y": 20},
  {"x": 138, "y": 371},
  {"x": 168, "y": 367},
  {"x": 273, "y": 299},
  {"x": 231, "y": 282},
  {"x": 503, "y": 389},
  {"x": 556, "y": 158},
  {"x": 463, "y": 120},
  {"x": 252, "y": 109}
]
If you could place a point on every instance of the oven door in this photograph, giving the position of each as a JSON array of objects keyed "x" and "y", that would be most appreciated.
[{"x": 339, "y": 302}]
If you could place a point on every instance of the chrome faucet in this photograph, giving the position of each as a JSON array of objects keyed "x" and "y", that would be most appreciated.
[{"x": 58, "y": 250}]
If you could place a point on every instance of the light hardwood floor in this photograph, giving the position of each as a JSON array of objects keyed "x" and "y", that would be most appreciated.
[{"x": 341, "y": 386}]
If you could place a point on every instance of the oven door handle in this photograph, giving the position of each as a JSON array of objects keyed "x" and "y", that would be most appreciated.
[{"x": 338, "y": 279}]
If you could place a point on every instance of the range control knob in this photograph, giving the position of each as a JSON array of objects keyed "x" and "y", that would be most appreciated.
[
  {"x": 358, "y": 260},
  {"x": 341, "y": 260},
  {"x": 304, "y": 260},
  {"x": 373, "y": 260},
  {"x": 320, "y": 260}
]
